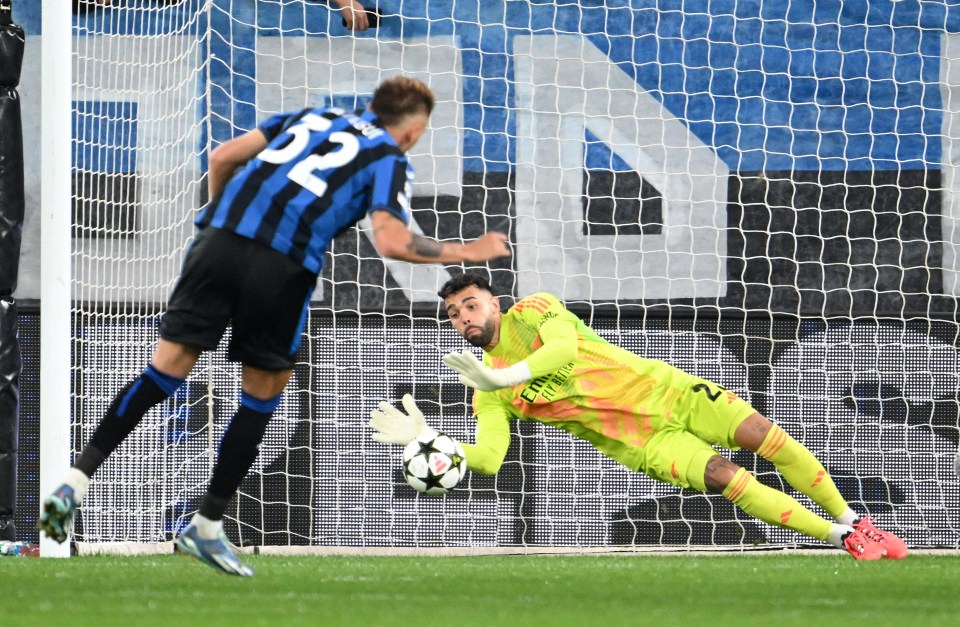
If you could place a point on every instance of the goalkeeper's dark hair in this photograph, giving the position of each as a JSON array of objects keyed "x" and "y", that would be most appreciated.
[
  {"x": 464, "y": 281},
  {"x": 400, "y": 96}
]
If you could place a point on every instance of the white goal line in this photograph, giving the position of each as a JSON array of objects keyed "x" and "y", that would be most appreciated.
[{"x": 161, "y": 548}]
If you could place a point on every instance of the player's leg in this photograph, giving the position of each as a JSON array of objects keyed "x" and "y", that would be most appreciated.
[
  {"x": 204, "y": 537},
  {"x": 197, "y": 314},
  {"x": 681, "y": 458},
  {"x": 721, "y": 417},
  {"x": 807, "y": 475},
  {"x": 267, "y": 324},
  {"x": 166, "y": 372},
  {"x": 795, "y": 462},
  {"x": 736, "y": 484},
  {"x": 261, "y": 395}
]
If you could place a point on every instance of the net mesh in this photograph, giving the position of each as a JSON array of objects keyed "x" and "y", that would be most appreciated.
[{"x": 759, "y": 195}]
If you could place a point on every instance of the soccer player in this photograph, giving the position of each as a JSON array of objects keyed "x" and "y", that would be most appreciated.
[
  {"x": 305, "y": 177},
  {"x": 541, "y": 362}
]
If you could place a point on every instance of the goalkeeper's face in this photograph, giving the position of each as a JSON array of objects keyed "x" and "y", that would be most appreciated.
[{"x": 475, "y": 314}]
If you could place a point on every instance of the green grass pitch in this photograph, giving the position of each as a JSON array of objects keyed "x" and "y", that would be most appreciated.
[{"x": 490, "y": 591}]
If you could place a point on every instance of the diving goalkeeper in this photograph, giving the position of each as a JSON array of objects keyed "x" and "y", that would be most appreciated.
[{"x": 541, "y": 362}]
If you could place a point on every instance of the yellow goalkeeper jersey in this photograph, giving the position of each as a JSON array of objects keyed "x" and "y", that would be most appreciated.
[{"x": 606, "y": 395}]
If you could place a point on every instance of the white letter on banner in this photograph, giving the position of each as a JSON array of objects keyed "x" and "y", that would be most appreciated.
[
  {"x": 564, "y": 85},
  {"x": 950, "y": 142}
]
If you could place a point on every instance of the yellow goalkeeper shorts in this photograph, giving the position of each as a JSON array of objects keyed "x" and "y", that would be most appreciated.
[{"x": 704, "y": 416}]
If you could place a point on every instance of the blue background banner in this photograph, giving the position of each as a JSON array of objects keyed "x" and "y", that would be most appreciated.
[{"x": 777, "y": 85}]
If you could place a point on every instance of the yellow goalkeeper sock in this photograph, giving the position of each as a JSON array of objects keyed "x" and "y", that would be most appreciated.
[
  {"x": 802, "y": 470},
  {"x": 774, "y": 507}
]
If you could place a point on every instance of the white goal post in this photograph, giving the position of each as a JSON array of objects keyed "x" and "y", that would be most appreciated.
[
  {"x": 55, "y": 264},
  {"x": 727, "y": 191}
]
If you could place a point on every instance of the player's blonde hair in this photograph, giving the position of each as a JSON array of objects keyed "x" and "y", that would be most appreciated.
[{"x": 400, "y": 96}]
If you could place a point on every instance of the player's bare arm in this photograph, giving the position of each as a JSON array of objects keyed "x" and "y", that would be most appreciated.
[
  {"x": 393, "y": 239},
  {"x": 353, "y": 14},
  {"x": 424, "y": 246},
  {"x": 230, "y": 155}
]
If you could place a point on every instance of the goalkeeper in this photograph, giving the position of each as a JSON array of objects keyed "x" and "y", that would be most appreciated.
[{"x": 541, "y": 362}]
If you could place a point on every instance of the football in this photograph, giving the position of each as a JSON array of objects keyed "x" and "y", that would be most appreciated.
[{"x": 434, "y": 463}]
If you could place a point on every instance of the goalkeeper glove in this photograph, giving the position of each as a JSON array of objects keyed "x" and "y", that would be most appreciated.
[
  {"x": 392, "y": 426},
  {"x": 476, "y": 375}
]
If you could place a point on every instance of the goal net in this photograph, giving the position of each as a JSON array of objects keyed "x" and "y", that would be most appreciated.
[{"x": 758, "y": 193}]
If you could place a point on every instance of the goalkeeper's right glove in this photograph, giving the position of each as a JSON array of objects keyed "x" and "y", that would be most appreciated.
[{"x": 392, "y": 426}]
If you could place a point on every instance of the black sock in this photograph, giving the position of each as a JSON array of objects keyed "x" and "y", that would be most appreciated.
[
  {"x": 89, "y": 460},
  {"x": 212, "y": 507},
  {"x": 126, "y": 411},
  {"x": 238, "y": 451}
]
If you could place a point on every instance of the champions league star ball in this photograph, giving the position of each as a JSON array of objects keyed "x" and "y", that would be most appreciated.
[{"x": 434, "y": 463}]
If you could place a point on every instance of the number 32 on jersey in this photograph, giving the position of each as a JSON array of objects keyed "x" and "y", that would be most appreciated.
[{"x": 305, "y": 172}]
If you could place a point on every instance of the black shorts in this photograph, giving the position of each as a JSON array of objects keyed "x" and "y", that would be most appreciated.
[{"x": 229, "y": 278}]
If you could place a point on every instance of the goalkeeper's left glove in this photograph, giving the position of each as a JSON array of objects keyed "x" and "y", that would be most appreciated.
[
  {"x": 392, "y": 426},
  {"x": 476, "y": 375}
]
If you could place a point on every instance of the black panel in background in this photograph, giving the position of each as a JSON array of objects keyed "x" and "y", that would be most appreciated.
[
  {"x": 620, "y": 203},
  {"x": 755, "y": 342},
  {"x": 106, "y": 204},
  {"x": 10, "y": 366},
  {"x": 28, "y": 458},
  {"x": 846, "y": 244},
  {"x": 823, "y": 244}
]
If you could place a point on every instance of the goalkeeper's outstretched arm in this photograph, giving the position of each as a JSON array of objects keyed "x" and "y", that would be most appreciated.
[
  {"x": 392, "y": 426},
  {"x": 559, "y": 348},
  {"x": 486, "y": 456}
]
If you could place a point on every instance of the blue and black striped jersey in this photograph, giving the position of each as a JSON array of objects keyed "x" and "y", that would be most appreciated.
[{"x": 322, "y": 172}]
